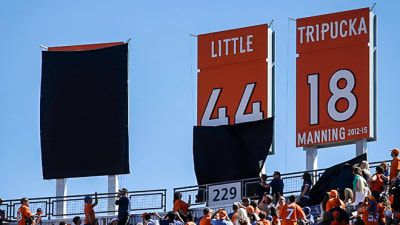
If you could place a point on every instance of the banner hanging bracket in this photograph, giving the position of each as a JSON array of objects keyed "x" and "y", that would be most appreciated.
[
  {"x": 44, "y": 47},
  {"x": 372, "y": 7}
]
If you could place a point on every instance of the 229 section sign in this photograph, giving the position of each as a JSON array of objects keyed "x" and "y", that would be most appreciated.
[
  {"x": 335, "y": 78},
  {"x": 234, "y": 85}
]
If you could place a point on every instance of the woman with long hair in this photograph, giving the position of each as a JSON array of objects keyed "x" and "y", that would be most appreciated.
[
  {"x": 360, "y": 187},
  {"x": 305, "y": 189}
]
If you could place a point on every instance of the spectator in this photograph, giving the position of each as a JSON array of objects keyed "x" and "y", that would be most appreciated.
[
  {"x": 365, "y": 170},
  {"x": 95, "y": 222},
  {"x": 89, "y": 212},
  {"x": 253, "y": 218},
  {"x": 369, "y": 212},
  {"x": 3, "y": 217},
  {"x": 25, "y": 216},
  {"x": 395, "y": 166},
  {"x": 242, "y": 218},
  {"x": 334, "y": 201},
  {"x": 305, "y": 190},
  {"x": 235, "y": 208},
  {"x": 124, "y": 207},
  {"x": 64, "y": 223},
  {"x": 396, "y": 195},
  {"x": 309, "y": 216},
  {"x": 147, "y": 220},
  {"x": 262, "y": 216},
  {"x": 276, "y": 185},
  {"x": 206, "y": 220},
  {"x": 324, "y": 201},
  {"x": 266, "y": 204},
  {"x": 254, "y": 204},
  {"x": 377, "y": 183},
  {"x": 280, "y": 204},
  {"x": 326, "y": 219},
  {"x": 262, "y": 188},
  {"x": 180, "y": 206},
  {"x": 348, "y": 200},
  {"x": 337, "y": 219},
  {"x": 339, "y": 216},
  {"x": 291, "y": 212},
  {"x": 172, "y": 218},
  {"x": 77, "y": 220},
  {"x": 245, "y": 201},
  {"x": 360, "y": 186},
  {"x": 114, "y": 221},
  {"x": 223, "y": 218},
  {"x": 190, "y": 220},
  {"x": 385, "y": 167},
  {"x": 275, "y": 217}
]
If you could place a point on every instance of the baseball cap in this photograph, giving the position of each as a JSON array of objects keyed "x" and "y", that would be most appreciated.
[
  {"x": 87, "y": 198},
  {"x": 307, "y": 209},
  {"x": 245, "y": 199},
  {"x": 222, "y": 214},
  {"x": 395, "y": 150},
  {"x": 113, "y": 219},
  {"x": 333, "y": 193},
  {"x": 123, "y": 190}
]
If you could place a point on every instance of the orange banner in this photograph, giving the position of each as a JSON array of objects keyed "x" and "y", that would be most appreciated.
[
  {"x": 232, "y": 82},
  {"x": 333, "y": 78}
]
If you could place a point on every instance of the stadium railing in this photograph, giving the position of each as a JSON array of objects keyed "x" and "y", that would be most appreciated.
[
  {"x": 292, "y": 181},
  {"x": 74, "y": 204}
]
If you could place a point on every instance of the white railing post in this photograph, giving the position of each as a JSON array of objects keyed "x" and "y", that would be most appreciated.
[
  {"x": 61, "y": 192},
  {"x": 112, "y": 188}
]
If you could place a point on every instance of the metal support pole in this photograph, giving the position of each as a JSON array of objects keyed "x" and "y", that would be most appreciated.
[
  {"x": 112, "y": 188},
  {"x": 311, "y": 160},
  {"x": 61, "y": 192},
  {"x": 361, "y": 146}
]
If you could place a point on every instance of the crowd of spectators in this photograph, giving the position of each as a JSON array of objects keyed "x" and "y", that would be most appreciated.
[{"x": 374, "y": 199}]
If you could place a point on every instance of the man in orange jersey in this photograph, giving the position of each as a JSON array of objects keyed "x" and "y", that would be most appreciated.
[
  {"x": 206, "y": 220},
  {"x": 89, "y": 212},
  {"x": 395, "y": 166},
  {"x": 369, "y": 211},
  {"x": 263, "y": 219},
  {"x": 291, "y": 212},
  {"x": 334, "y": 201},
  {"x": 24, "y": 215}
]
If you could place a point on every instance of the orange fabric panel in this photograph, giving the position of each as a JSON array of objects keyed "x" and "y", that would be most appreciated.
[{"x": 84, "y": 47}]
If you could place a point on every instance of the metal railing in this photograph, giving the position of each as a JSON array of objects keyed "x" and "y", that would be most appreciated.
[
  {"x": 292, "y": 185},
  {"x": 74, "y": 204}
]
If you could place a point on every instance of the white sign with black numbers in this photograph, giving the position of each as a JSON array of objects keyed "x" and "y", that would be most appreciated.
[{"x": 224, "y": 194}]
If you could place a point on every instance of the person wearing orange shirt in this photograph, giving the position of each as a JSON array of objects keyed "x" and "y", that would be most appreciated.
[
  {"x": 89, "y": 212},
  {"x": 370, "y": 214},
  {"x": 263, "y": 219},
  {"x": 291, "y": 212},
  {"x": 24, "y": 215},
  {"x": 180, "y": 206},
  {"x": 395, "y": 166},
  {"x": 376, "y": 182},
  {"x": 334, "y": 201},
  {"x": 206, "y": 220},
  {"x": 190, "y": 220}
]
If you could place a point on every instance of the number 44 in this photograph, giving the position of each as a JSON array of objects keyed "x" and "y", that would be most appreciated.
[{"x": 240, "y": 115}]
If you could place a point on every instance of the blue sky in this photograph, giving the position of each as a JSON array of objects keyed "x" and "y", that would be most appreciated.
[{"x": 162, "y": 82}]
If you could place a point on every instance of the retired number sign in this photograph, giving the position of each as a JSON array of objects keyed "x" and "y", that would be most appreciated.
[
  {"x": 335, "y": 78},
  {"x": 234, "y": 85}
]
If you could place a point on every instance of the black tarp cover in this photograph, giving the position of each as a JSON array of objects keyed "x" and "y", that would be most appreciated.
[
  {"x": 231, "y": 152},
  {"x": 84, "y": 112},
  {"x": 337, "y": 177}
]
